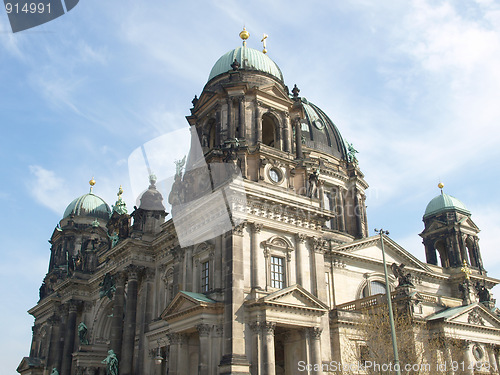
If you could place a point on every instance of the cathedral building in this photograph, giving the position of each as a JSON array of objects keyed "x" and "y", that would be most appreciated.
[{"x": 264, "y": 265}]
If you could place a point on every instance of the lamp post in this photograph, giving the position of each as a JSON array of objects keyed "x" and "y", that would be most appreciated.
[{"x": 389, "y": 303}]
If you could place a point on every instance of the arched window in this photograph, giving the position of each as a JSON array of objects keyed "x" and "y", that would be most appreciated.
[
  {"x": 374, "y": 287},
  {"x": 469, "y": 244},
  {"x": 269, "y": 131},
  {"x": 441, "y": 249}
]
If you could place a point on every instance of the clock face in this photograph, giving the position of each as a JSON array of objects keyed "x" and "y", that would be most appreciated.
[
  {"x": 274, "y": 175},
  {"x": 319, "y": 124}
]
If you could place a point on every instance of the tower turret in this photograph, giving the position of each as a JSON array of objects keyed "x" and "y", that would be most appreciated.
[{"x": 450, "y": 232}]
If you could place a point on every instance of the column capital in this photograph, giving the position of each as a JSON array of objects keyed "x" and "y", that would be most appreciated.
[
  {"x": 268, "y": 327},
  {"x": 257, "y": 227},
  {"x": 315, "y": 332},
  {"x": 149, "y": 274},
  {"x": 73, "y": 306},
  {"x": 133, "y": 272},
  {"x": 204, "y": 329},
  {"x": 238, "y": 229},
  {"x": 218, "y": 330},
  {"x": 255, "y": 327},
  {"x": 301, "y": 238},
  {"x": 319, "y": 245}
]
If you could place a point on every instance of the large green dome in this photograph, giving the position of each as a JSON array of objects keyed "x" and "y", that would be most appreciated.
[
  {"x": 443, "y": 203},
  {"x": 249, "y": 59},
  {"x": 88, "y": 205}
]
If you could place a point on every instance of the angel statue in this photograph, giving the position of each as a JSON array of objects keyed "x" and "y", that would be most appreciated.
[
  {"x": 404, "y": 279},
  {"x": 351, "y": 153},
  {"x": 111, "y": 362},
  {"x": 179, "y": 164}
]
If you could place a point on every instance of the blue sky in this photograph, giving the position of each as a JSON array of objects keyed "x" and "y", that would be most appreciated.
[{"x": 413, "y": 84}]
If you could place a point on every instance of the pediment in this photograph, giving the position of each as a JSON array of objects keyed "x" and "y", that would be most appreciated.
[
  {"x": 469, "y": 223},
  {"x": 370, "y": 249},
  {"x": 28, "y": 363},
  {"x": 184, "y": 302},
  {"x": 294, "y": 297},
  {"x": 275, "y": 91},
  {"x": 475, "y": 314}
]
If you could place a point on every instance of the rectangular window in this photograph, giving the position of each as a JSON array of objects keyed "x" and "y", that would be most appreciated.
[
  {"x": 204, "y": 276},
  {"x": 277, "y": 272}
]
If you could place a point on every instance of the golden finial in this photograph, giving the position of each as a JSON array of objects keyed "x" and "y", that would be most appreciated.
[
  {"x": 264, "y": 37},
  {"x": 120, "y": 192},
  {"x": 466, "y": 270},
  {"x": 244, "y": 34},
  {"x": 92, "y": 183},
  {"x": 441, "y": 186}
]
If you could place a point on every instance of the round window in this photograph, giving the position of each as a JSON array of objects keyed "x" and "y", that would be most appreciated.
[
  {"x": 319, "y": 124},
  {"x": 275, "y": 175},
  {"x": 477, "y": 352}
]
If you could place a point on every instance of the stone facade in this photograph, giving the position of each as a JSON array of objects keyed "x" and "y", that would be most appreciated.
[{"x": 288, "y": 283}]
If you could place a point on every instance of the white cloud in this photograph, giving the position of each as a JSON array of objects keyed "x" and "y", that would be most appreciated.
[{"x": 48, "y": 189}]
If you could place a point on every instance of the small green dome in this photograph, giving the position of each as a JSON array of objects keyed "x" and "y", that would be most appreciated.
[
  {"x": 443, "y": 203},
  {"x": 249, "y": 59},
  {"x": 88, "y": 205}
]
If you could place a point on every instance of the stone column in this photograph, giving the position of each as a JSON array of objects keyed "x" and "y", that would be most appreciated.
[
  {"x": 258, "y": 123},
  {"x": 54, "y": 320},
  {"x": 218, "y": 126},
  {"x": 234, "y": 359},
  {"x": 298, "y": 139},
  {"x": 218, "y": 266},
  {"x": 173, "y": 354},
  {"x": 286, "y": 133},
  {"x": 145, "y": 317},
  {"x": 255, "y": 266},
  {"x": 255, "y": 366},
  {"x": 449, "y": 360},
  {"x": 319, "y": 268},
  {"x": 468, "y": 359},
  {"x": 303, "y": 276},
  {"x": 340, "y": 209},
  {"x": 63, "y": 312},
  {"x": 129, "y": 326},
  {"x": 230, "y": 123},
  {"x": 183, "y": 364},
  {"x": 218, "y": 334},
  {"x": 315, "y": 348},
  {"x": 492, "y": 358},
  {"x": 69, "y": 339},
  {"x": 203, "y": 332},
  {"x": 117, "y": 319},
  {"x": 241, "y": 117},
  {"x": 268, "y": 357},
  {"x": 357, "y": 213}
]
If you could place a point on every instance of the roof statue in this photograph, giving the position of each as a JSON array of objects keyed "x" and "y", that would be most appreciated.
[
  {"x": 82, "y": 334},
  {"x": 111, "y": 362},
  {"x": 179, "y": 164},
  {"x": 404, "y": 278},
  {"x": 351, "y": 154},
  {"x": 107, "y": 286}
]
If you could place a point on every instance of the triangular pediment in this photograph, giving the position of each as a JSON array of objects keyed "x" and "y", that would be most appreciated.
[
  {"x": 294, "y": 297},
  {"x": 370, "y": 250},
  {"x": 475, "y": 314},
  {"x": 186, "y": 301},
  {"x": 274, "y": 91},
  {"x": 29, "y": 363}
]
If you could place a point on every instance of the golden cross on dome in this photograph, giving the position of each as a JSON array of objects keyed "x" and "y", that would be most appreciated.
[
  {"x": 466, "y": 270},
  {"x": 264, "y": 37}
]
